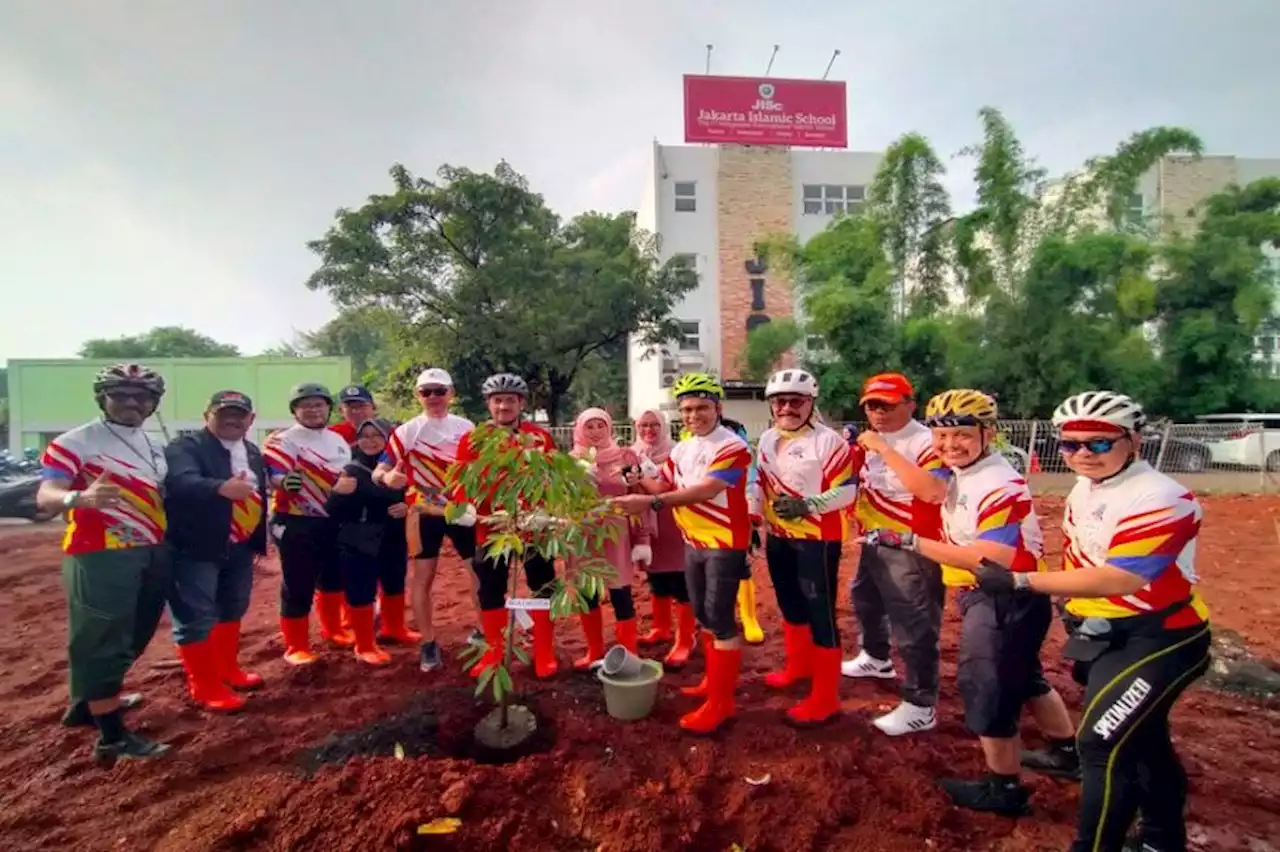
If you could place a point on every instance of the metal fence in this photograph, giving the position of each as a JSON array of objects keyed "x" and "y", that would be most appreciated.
[{"x": 1175, "y": 448}]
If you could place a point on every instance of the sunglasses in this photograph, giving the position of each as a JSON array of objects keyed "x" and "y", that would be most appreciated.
[
  {"x": 129, "y": 396},
  {"x": 1096, "y": 446},
  {"x": 796, "y": 402},
  {"x": 433, "y": 391},
  {"x": 880, "y": 405}
]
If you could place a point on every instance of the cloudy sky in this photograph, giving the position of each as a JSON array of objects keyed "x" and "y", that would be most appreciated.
[{"x": 166, "y": 162}]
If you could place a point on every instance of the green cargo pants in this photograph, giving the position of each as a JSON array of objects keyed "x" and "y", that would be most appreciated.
[{"x": 114, "y": 602}]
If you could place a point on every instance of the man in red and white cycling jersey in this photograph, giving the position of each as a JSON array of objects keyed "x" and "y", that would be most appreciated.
[
  {"x": 705, "y": 483},
  {"x": 806, "y": 479},
  {"x": 506, "y": 395},
  {"x": 419, "y": 456},
  {"x": 1139, "y": 631},
  {"x": 893, "y": 589}
]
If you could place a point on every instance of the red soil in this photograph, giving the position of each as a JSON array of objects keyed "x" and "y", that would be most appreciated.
[{"x": 235, "y": 783}]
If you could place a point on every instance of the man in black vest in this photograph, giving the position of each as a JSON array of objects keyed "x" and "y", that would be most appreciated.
[{"x": 215, "y": 495}]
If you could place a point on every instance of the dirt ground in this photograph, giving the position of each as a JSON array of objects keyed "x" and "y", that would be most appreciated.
[{"x": 252, "y": 781}]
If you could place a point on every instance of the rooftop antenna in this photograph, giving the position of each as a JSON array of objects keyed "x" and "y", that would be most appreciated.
[
  {"x": 771, "y": 56},
  {"x": 832, "y": 62},
  {"x": 710, "y": 48}
]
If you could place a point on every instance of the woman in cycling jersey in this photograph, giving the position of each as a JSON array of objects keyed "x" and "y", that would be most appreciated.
[
  {"x": 988, "y": 519},
  {"x": 1139, "y": 631}
]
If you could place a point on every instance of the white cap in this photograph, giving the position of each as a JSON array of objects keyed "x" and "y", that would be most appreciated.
[{"x": 434, "y": 376}]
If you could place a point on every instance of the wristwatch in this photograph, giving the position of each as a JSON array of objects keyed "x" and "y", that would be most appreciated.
[
  {"x": 1021, "y": 581},
  {"x": 69, "y": 499},
  {"x": 657, "y": 503}
]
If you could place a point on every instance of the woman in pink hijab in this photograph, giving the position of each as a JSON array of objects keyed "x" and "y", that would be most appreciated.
[
  {"x": 593, "y": 440},
  {"x": 666, "y": 568}
]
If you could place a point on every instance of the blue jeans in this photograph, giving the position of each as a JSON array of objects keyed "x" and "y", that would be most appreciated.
[{"x": 205, "y": 593}]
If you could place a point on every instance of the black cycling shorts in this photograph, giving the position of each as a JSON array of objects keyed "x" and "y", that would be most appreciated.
[
  {"x": 434, "y": 529},
  {"x": 712, "y": 577},
  {"x": 999, "y": 665}
]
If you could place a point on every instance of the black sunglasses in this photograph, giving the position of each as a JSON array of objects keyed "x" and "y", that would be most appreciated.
[
  {"x": 433, "y": 391},
  {"x": 1097, "y": 446}
]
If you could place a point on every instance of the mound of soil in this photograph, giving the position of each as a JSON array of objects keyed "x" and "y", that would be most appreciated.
[{"x": 312, "y": 763}]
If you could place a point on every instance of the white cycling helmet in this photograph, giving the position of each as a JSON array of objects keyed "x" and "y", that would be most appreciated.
[
  {"x": 1102, "y": 407},
  {"x": 797, "y": 382}
]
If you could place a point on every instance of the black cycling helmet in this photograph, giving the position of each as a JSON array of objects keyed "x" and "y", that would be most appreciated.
[
  {"x": 307, "y": 390},
  {"x": 504, "y": 383},
  {"x": 128, "y": 376}
]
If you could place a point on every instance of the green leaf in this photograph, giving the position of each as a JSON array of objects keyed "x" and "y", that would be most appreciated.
[
  {"x": 521, "y": 654},
  {"x": 485, "y": 677},
  {"x": 504, "y": 681}
]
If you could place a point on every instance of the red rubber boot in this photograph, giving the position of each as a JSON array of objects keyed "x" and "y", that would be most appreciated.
[
  {"x": 593, "y": 629},
  {"x": 798, "y": 640},
  {"x": 823, "y": 703},
  {"x": 659, "y": 620}
]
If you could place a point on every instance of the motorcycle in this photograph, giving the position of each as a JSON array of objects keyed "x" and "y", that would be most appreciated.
[{"x": 18, "y": 500}]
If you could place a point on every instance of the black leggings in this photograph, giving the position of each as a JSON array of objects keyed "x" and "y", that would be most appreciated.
[
  {"x": 1125, "y": 751},
  {"x": 308, "y": 561},
  {"x": 493, "y": 577},
  {"x": 669, "y": 584},
  {"x": 363, "y": 573},
  {"x": 624, "y": 605},
  {"x": 805, "y": 576}
]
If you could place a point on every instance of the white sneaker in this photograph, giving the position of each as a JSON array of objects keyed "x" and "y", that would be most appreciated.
[
  {"x": 907, "y": 718},
  {"x": 865, "y": 665}
]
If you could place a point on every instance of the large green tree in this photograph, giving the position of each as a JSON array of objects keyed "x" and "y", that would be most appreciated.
[
  {"x": 1216, "y": 293},
  {"x": 166, "y": 341},
  {"x": 478, "y": 266},
  {"x": 1043, "y": 289}
]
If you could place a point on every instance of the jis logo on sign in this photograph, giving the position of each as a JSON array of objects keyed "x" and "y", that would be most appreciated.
[{"x": 766, "y": 102}]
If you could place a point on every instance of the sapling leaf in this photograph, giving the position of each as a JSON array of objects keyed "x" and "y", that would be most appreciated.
[{"x": 485, "y": 677}]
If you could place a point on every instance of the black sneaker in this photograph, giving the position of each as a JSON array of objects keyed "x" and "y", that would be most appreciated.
[
  {"x": 1056, "y": 762},
  {"x": 78, "y": 715},
  {"x": 129, "y": 747},
  {"x": 991, "y": 794},
  {"x": 476, "y": 637},
  {"x": 429, "y": 658}
]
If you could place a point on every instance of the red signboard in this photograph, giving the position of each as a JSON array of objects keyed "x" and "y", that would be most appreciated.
[{"x": 765, "y": 111}]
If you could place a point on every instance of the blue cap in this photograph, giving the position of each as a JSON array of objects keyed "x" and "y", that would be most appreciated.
[{"x": 355, "y": 393}]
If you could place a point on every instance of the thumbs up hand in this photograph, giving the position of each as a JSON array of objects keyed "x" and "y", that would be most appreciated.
[
  {"x": 395, "y": 478},
  {"x": 102, "y": 493},
  {"x": 345, "y": 485}
]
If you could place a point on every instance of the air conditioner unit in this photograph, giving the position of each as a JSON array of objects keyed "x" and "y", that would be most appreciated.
[{"x": 692, "y": 360}]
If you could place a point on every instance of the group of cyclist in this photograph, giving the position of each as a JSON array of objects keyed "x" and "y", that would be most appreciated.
[{"x": 934, "y": 504}]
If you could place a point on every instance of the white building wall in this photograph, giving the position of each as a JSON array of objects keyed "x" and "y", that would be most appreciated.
[{"x": 695, "y": 233}]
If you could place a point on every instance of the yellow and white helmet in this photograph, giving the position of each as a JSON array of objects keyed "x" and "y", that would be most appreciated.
[{"x": 961, "y": 407}]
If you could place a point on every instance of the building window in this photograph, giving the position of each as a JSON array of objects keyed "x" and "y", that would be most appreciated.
[
  {"x": 686, "y": 263},
  {"x": 832, "y": 199},
  {"x": 690, "y": 336},
  {"x": 755, "y": 321},
  {"x": 757, "y": 294},
  {"x": 686, "y": 196},
  {"x": 1135, "y": 211}
]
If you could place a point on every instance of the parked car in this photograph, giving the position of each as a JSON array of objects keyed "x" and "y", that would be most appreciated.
[
  {"x": 1180, "y": 454},
  {"x": 1244, "y": 440}
]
